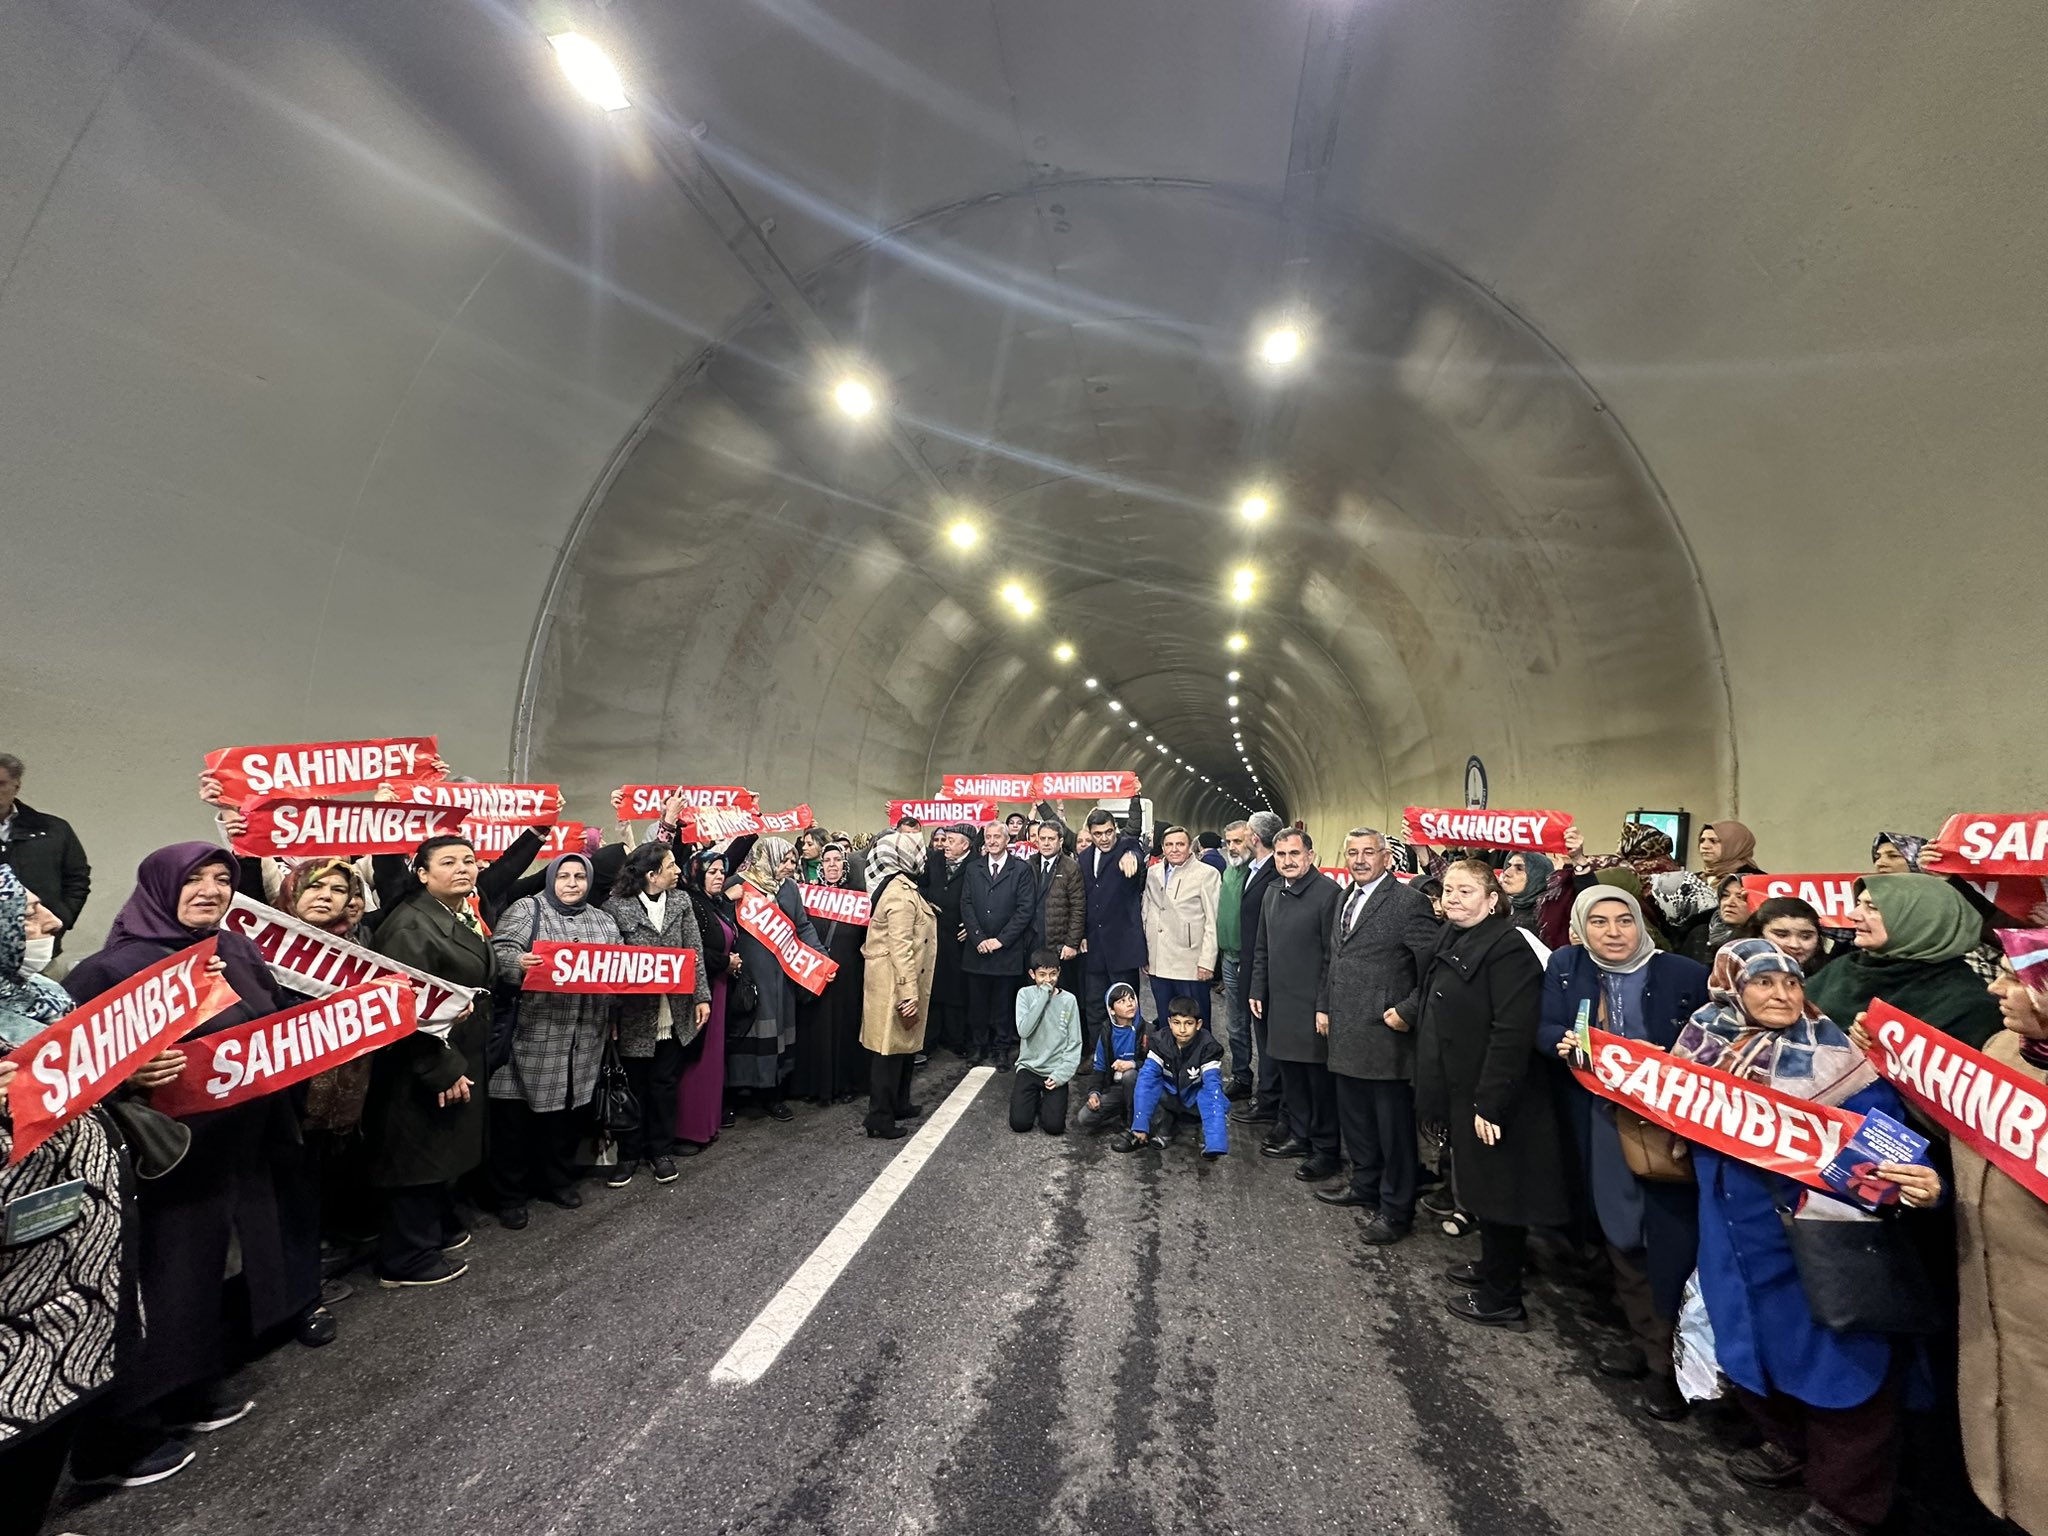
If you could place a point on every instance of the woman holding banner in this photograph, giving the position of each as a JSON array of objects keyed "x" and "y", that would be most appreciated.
[
  {"x": 700, "y": 1094},
  {"x": 761, "y": 1057},
  {"x": 653, "y": 1032},
  {"x": 1911, "y": 936},
  {"x": 1825, "y": 1401},
  {"x": 830, "y": 1066}
]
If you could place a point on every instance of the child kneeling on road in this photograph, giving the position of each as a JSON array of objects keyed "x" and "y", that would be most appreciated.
[
  {"x": 1116, "y": 1062},
  {"x": 1182, "y": 1077},
  {"x": 1048, "y": 1049}
]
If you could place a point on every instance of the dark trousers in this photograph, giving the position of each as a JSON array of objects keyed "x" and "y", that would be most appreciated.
[
  {"x": 948, "y": 1029},
  {"x": 30, "y": 1466},
  {"x": 1308, "y": 1105},
  {"x": 1502, "y": 1251},
  {"x": 1094, "y": 995},
  {"x": 1032, "y": 1103},
  {"x": 1851, "y": 1453},
  {"x": 1377, "y": 1119},
  {"x": 888, "y": 1090},
  {"x": 533, "y": 1151},
  {"x": 653, "y": 1080},
  {"x": 992, "y": 1015},
  {"x": 1632, "y": 1289},
  {"x": 1165, "y": 990},
  {"x": 1267, "y": 1089},
  {"x": 419, "y": 1220}
]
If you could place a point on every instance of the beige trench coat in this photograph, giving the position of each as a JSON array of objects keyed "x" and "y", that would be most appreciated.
[{"x": 901, "y": 948}]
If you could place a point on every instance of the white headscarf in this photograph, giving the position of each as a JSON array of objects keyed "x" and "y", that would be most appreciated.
[{"x": 1646, "y": 947}]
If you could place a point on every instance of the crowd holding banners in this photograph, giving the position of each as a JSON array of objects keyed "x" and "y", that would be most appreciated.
[
  {"x": 327, "y": 767},
  {"x": 303, "y": 829},
  {"x": 272, "y": 1053},
  {"x": 313, "y": 962},
  {"x": 653, "y": 802}
]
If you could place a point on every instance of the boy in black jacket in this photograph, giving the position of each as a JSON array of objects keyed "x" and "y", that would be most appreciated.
[{"x": 1181, "y": 1077}]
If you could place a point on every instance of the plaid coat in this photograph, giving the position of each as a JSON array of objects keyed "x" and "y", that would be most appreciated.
[
  {"x": 559, "y": 1038},
  {"x": 639, "y": 1019}
]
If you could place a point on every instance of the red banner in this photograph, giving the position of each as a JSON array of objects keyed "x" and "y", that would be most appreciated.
[
  {"x": 324, "y": 767},
  {"x": 614, "y": 969},
  {"x": 989, "y": 786},
  {"x": 643, "y": 802},
  {"x": 301, "y": 829},
  {"x": 2027, "y": 949},
  {"x": 795, "y": 819},
  {"x": 761, "y": 917},
  {"x": 1758, "y": 1125},
  {"x": 313, "y": 961},
  {"x": 716, "y": 824},
  {"x": 524, "y": 805},
  {"x": 1087, "y": 786},
  {"x": 280, "y": 1049},
  {"x": 1974, "y": 842},
  {"x": 492, "y": 838},
  {"x": 2000, "y": 1114},
  {"x": 976, "y": 813},
  {"x": 92, "y": 1050},
  {"x": 1531, "y": 831},
  {"x": 836, "y": 903},
  {"x": 1834, "y": 896}
]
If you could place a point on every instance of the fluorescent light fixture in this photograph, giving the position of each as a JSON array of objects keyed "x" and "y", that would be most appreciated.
[
  {"x": 854, "y": 396},
  {"x": 1282, "y": 346},
  {"x": 1234, "y": 676},
  {"x": 593, "y": 74},
  {"x": 1115, "y": 708},
  {"x": 1090, "y": 683},
  {"x": 1254, "y": 507},
  {"x": 962, "y": 534},
  {"x": 1063, "y": 653},
  {"x": 1237, "y": 642}
]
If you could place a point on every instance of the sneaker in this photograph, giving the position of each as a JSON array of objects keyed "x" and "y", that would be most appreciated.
[
  {"x": 665, "y": 1170},
  {"x": 167, "y": 1459},
  {"x": 456, "y": 1243},
  {"x": 218, "y": 1412},
  {"x": 1766, "y": 1466},
  {"x": 622, "y": 1174},
  {"x": 439, "y": 1272},
  {"x": 780, "y": 1111},
  {"x": 1440, "y": 1202}
]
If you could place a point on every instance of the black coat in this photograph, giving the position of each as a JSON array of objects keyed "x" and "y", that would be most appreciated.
[
  {"x": 1251, "y": 907},
  {"x": 943, "y": 891},
  {"x": 1290, "y": 962},
  {"x": 1376, "y": 966},
  {"x": 1114, "y": 902},
  {"x": 47, "y": 856},
  {"x": 411, "y": 1139},
  {"x": 498, "y": 884},
  {"x": 1475, "y": 1054},
  {"x": 1001, "y": 907}
]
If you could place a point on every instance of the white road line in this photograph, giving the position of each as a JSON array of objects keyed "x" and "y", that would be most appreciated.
[{"x": 756, "y": 1349}]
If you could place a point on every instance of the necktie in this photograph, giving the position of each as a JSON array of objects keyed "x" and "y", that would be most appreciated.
[{"x": 1356, "y": 905}]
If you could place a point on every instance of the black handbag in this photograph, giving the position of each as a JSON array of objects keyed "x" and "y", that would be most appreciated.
[
  {"x": 742, "y": 999},
  {"x": 618, "y": 1111},
  {"x": 1861, "y": 1276}
]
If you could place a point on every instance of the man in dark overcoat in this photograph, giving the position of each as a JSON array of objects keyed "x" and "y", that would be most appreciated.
[{"x": 1288, "y": 972}]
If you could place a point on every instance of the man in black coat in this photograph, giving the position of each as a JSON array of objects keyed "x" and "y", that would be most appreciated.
[
  {"x": 1384, "y": 936},
  {"x": 1261, "y": 877},
  {"x": 42, "y": 850},
  {"x": 1289, "y": 971},
  {"x": 997, "y": 907},
  {"x": 1062, "y": 921},
  {"x": 945, "y": 882},
  {"x": 1113, "y": 894}
]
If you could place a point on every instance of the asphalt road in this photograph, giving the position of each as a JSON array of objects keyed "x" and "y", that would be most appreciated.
[{"x": 1041, "y": 1336}]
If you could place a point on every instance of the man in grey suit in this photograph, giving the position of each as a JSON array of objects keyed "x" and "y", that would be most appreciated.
[{"x": 1380, "y": 945}]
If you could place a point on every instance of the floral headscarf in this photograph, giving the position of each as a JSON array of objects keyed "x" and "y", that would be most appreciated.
[
  {"x": 22, "y": 992},
  {"x": 1908, "y": 845},
  {"x": 303, "y": 875},
  {"x": 1811, "y": 1059},
  {"x": 763, "y": 871}
]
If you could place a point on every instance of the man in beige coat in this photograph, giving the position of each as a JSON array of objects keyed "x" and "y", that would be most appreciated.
[
  {"x": 1179, "y": 913},
  {"x": 901, "y": 948}
]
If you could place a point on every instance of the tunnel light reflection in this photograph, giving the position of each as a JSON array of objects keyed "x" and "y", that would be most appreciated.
[
  {"x": 1115, "y": 708},
  {"x": 854, "y": 397},
  {"x": 1090, "y": 683},
  {"x": 593, "y": 74},
  {"x": 1241, "y": 581},
  {"x": 1233, "y": 677}
]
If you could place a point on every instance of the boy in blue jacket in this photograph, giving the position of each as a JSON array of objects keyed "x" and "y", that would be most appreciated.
[
  {"x": 1048, "y": 1049},
  {"x": 1182, "y": 1077},
  {"x": 1116, "y": 1061}
]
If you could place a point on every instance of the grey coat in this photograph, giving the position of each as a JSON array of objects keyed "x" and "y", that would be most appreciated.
[
  {"x": 1289, "y": 964},
  {"x": 1376, "y": 966},
  {"x": 639, "y": 1019},
  {"x": 558, "y": 1040}
]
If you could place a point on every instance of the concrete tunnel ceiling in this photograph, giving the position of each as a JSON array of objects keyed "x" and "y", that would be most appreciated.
[{"x": 1670, "y": 422}]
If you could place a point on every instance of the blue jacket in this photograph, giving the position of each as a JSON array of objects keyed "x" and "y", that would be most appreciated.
[
  {"x": 1116, "y": 930},
  {"x": 1118, "y": 1042}
]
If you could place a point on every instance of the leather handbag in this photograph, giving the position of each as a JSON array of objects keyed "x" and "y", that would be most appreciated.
[
  {"x": 1652, "y": 1153},
  {"x": 1861, "y": 1275},
  {"x": 618, "y": 1110}
]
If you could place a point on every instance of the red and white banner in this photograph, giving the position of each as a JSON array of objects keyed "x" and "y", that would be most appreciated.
[
  {"x": 524, "y": 805},
  {"x": 303, "y": 829},
  {"x": 795, "y": 819},
  {"x": 719, "y": 823},
  {"x": 643, "y": 802},
  {"x": 2027, "y": 949},
  {"x": 1744, "y": 1120},
  {"x": 280, "y": 1049},
  {"x": 313, "y": 961},
  {"x": 322, "y": 767},
  {"x": 492, "y": 838},
  {"x": 760, "y": 916},
  {"x": 989, "y": 786},
  {"x": 628, "y": 969},
  {"x": 1834, "y": 896},
  {"x": 70, "y": 1066},
  {"x": 976, "y": 813},
  {"x": 1531, "y": 831},
  {"x": 1974, "y": 842},
  {"x": 2000, "y": 1114},
  {"x": 836, "y": 903},
  {"x": 1087, "y": 786}
]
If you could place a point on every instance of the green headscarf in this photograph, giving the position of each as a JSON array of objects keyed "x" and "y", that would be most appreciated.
[{"x": 1923, "y": 919}]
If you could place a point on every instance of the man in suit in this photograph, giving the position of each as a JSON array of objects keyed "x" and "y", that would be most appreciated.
[
  {"x": 945, "y": 883},
  {"x": 1113, "y": 887},
  {"x": 1179, "y": 912},
  {"x": 1062, "y": 923},
  {"x": 1289, "y": 971},
  {"x": 1379, "y": 949},
  {"x": 1260, "y": 876},
  {"x": 998, "y": 904}
]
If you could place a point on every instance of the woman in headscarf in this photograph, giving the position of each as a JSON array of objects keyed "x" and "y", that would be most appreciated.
[
  {"x": 1826, "y": 1402},
  {"x": 1896, "y": 853},
  {"x": 900, "y": 950},
  {"x": 831, "y": 1067},
  {"x": 1523, "y": 880},
  {"x": 1644, "y": 849},
  {"x": 653, "y": 1032},
  {"x": 539, "y": 1097},
  {"x": 1617, "y": 977},
  {"x": 761, "y": 1056},
  {"x": 59, "y": 1294},
  {"x": 1727, "y": 848},
  {"x": 219, "y": 1205},
  {"x": 700, "y": 1094},
  {"x": 1701, "y": 939},
  {"x": 1911, "y": 936}
]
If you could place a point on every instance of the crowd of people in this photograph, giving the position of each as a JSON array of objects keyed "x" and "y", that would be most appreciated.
[{"x": 1404, "y": 1037}]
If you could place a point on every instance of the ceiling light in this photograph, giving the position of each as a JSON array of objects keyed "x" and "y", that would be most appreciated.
[
  {"x": 1063, "y": 652},
  {"x": 1281, "y": 346},
  {"x": 1237, "y": 642},
  {"x": 595, "y": 77},
  {"x": 1232, "y": 701},
  {"x": 1134, "y": 725},
  {"x": 1090, "y": 683},
  {"x": 1254, "y": 507},
  {"x": 1241, "y": 583},
  {"x": 1150, "y": 737},
  {"x": 964, "y": 535},
  {"x": 1018, "y": 599},
  {"x": 1234, "y": 677},
  {"x": 1115, "y": 708},
  {"x": 855, "y": 397}
]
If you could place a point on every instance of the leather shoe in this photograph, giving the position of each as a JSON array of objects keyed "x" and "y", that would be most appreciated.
[
  {"x": 1238, "y": 1088},
  {"x": 1474, "y": 1308},
  {"x": 1346, "y": 1195},
  {"x": 1765, "y": 1466},
  {"x": 780, "y": 1111},
  {"x": 512, "y": 1217},
  {"x": 910, "y": 1112},
  {"x": 569, "y": 1197},
  {"x": 1377, "y": 1229},
  {"x": 1316, "y": 1169},
  {"x": 1465, "y": 1274},
  {"x": 1251, "y": 1114},
  {"x": 1624, "y": 1361},
  {"x": 1291, "y": 1147},
  {"x": 1663, "y": 1401}
]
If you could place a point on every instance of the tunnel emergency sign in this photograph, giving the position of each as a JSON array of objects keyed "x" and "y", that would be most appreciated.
[
  {"x": 1531, "y": 831},
  {"x": 323, "y": 767},
  {"x": 280, "y": 1049},
  {"x": 976, "y": 813},
  {"x": 760, "y": 916},
  {"x": 633, "y": 970}
]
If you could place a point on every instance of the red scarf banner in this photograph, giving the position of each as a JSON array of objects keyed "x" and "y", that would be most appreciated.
[
  {"x": 760, "y": 916},
  {"x": 795, "y": 819},
  {"x": 280, "y": 1049},
  {"x": 717, "y": 824},
  {"x": 1087, "y": 786},
  {"x": 1739, "y": 1119},
  {"x": 1975, "y": 842},
  {"x": 303, "y": 829},
  {"x": 492, "y": 838},
  {"x": 92, "y": 1050},
  {"x": 313, "y": 961},
  {"x": 633, "y": 970},
  {"x": 1532, "y": 831},
  {"x": 524, "y": 805},
  {"x": 643, "y": 802},
  {"x": 989, "y": 786},
  {"x": 1832, "y": 896},
  {"x": 325, "y": 767},
  {"x": 836, "y": 903},
  {"x": 976, "y": 813},
  {"x": 1999, "y": 1114}
]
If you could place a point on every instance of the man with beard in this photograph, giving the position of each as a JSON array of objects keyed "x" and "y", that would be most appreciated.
[{"x": 1235, "y": 1028}]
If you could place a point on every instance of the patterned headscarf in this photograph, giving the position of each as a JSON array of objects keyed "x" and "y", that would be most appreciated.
[
  {"x": 1907, "y": 844},
  {"x": 23, "y": 992},
  {"x": 1640, "y": 840},
  {"x": 297, "y": 879},
  {"x": 1811, "y": 1059},
  {"x": 763, "y": 869},
  {"x": 894, "y": 851}
]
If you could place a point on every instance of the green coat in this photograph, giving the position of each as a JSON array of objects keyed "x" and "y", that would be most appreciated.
[
  {"x": 412, "y": 1139},
  {"x": 1229, "y": 919}
]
